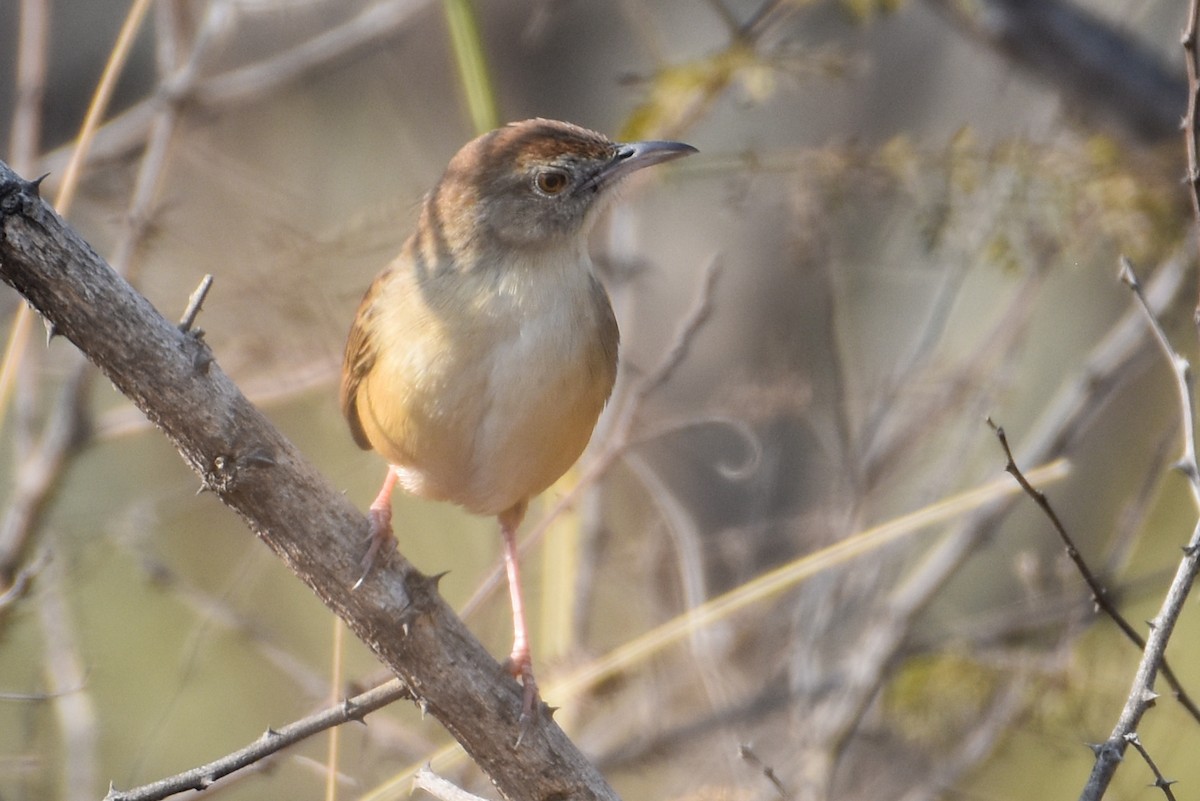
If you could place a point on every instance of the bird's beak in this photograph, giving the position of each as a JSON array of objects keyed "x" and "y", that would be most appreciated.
[{"x": 633, "y": 156}]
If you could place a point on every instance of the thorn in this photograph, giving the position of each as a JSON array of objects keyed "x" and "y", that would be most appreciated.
[
  {"x": 436, "y": 579},
  {"x": 33, "y": 187},
  {"x": 1189, "y": 550},
  {"x": 1126, "y": 274},
  {"x": 1096, "y": 748},
  {"x": 1148, "y": 697},
  {"x": 353, "y": 711}
]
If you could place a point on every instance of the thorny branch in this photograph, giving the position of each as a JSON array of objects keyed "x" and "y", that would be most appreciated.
[
  {"x": 1141, "y": 693},
  {"x": 1160, "y": 781},
  {"x": 242, "y": 458},
  {"x": 272, "y": 741},
  {"x": 1099, "y": 591}
]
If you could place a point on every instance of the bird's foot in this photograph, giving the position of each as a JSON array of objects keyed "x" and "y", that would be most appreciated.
[
  {"x": 378, "y": 535},
  {"x": 520, "y": 666}
]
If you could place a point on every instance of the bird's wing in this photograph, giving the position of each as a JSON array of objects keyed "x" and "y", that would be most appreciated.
[{"x": 358, "y": 361}]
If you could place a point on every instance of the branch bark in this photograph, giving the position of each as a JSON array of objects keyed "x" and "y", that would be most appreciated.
[{"x": 171, "y": 375}]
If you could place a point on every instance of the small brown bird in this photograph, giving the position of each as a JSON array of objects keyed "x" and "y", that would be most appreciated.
[{"x": 480, "y": 359}]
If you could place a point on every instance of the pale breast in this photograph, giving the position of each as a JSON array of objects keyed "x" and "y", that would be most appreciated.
[{"x": 491, "y": 404}]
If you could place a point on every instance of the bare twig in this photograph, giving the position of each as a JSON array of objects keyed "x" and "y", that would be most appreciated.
[
  {"x": 1074, "y": 407},
  {"x": 1183, "y": 383},
  {"x": 128, "y": 130},
  {"x": 1141, "y": 693},
  {"x": 195, "y": 303},
  {"x": 271, "y": 741},
  {"x": 436, "y": 786},
  {"x": 66, "y": 679},
  {"x": 31, "y": 83},
  {"x": 42, "y": 470},
  {"x": 1098, "y": 590},
  {"x": 1160, "y": 781},
  {"x": 1191, "y": 130}
]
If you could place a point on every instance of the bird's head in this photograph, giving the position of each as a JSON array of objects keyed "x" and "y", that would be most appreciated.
[{"x": 533, "y": 185}]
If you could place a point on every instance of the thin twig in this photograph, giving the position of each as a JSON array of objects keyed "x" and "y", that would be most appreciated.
[
  {"x": 39, "y": 474},
  {"x": 1160, "y": 781},
  {"x": 1141, "y": 693},
  {"x": 271, "y": 741},
  {"x": 1099, "y": 591},
  {"x": 436, "y": 786},
  {"x": 66, "y": 677},
  {"x": 127, "y": 131},
  {"x": 1183, "y": 382},
  {"x": 1191, "y": 133},
  {"x": 1066, "y": 417},
  {"x": 26, "y": 128},
  {"x": 195, "y": 303}
]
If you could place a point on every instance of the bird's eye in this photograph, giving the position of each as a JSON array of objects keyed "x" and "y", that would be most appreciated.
[{"x": 551, "y": 182}]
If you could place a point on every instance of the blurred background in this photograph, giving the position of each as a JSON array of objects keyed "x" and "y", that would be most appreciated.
[{"x": 906, "y": 216}]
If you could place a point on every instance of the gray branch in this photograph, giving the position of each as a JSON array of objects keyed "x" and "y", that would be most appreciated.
[{"x": 172, "y": 377}]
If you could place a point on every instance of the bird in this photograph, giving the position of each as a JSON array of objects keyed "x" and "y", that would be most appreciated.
[{"x": 481, "y": 357}]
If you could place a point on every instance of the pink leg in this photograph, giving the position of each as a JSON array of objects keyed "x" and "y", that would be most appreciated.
[
  {"x": 380, "y": 515},
  {"x": 520, "y": 661}
]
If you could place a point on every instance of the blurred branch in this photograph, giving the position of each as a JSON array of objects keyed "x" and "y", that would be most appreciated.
[
  {"x": 747, "y": 754},
  {"x": 1099, "y": 593},
  {"x": 65, "y": 680},
  {"x": 41, "y": 471},
  {"x": 128, "y": 131},
  {"x": 258, "y": 473},
  {"x": 1101, "y": 71},
  {"x": 26, "y": 128},
  {"x": 1141, "y": 693},
  {"x": 473, "y": 74},
  {"x": 994, "y": 724},
  {"x": 1113, "y": 361},
  {"x": 272, "y": 741},
  {"x": 1191, "y": 129},
  {"x": 438, "y": 787}
]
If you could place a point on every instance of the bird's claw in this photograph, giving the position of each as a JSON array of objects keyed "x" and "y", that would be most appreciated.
[
  {"x": 379, "y": 534},
  {"x": 521, "y": 669}
]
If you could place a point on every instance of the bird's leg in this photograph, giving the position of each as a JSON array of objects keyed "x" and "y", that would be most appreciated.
[
  {"x": 520, "y": 661},
  {"x": 380, "y": 516}
]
